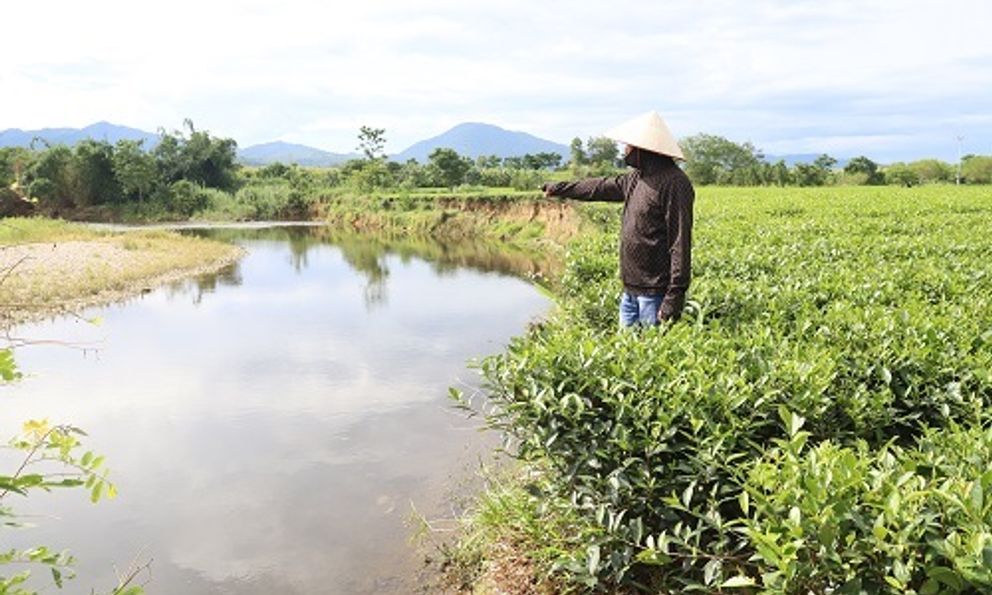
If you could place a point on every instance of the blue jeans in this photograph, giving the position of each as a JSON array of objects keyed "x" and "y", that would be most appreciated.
[{"x": 639, "y": 310}]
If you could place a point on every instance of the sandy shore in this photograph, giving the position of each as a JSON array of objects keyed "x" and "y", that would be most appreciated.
[{"x": 40, "y": 280}]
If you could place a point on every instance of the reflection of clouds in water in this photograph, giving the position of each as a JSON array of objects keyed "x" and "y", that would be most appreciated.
[
  {"x": 271, "y": 438},
  {"x": 274, "y": 495}
]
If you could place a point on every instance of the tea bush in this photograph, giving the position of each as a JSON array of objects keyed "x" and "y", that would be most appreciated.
[
  {"x": 865, "y": 314},
  {"x": 855, "y": 520}
]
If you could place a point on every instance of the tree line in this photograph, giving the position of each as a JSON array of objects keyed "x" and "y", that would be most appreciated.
[
  {"x": 712, "y": 159},
  {"x": 446, "y": 168},
  {"x": 190, "y": 170},
  {"x": 94, "y": 173}
]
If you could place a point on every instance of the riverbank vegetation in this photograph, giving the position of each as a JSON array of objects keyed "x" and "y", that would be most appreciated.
[
  {"x": 818, "y": 422},
  {"x": 190, "y": 174}
]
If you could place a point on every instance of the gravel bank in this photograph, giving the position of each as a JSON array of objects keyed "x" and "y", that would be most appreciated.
[{"x": 41, "y": 280}]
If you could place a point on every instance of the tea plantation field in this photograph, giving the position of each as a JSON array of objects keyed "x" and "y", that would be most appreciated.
[{"x": 818, "y": 422}]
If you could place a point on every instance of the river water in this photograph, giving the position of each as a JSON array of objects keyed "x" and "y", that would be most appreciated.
[{"x": 271, "y": 428}]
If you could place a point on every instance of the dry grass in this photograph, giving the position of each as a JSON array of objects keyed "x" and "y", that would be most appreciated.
[{"x": 50, "y": 266}]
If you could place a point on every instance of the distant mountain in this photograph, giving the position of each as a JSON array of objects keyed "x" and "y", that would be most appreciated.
[
  {"x": 15, "y": 137},
  {"x": 291, "y": 153},
  {"x": 475, "y": 139}
]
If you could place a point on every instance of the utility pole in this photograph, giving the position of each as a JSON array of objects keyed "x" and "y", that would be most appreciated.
[{"x": 957, "y": 180}]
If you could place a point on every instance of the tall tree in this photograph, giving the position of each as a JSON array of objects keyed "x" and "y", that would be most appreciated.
[
  {"x": 577, "y": 153},
  {"x": 932, "y": 170},
  {"x": 780, "y": 175},
  {"x": 712, "y": 159},
  {"x": 488, "y": 161},
  {"x": 866, "y": 167},
  {"x": 372, "y": 142},
  {"x": 13, "y": 163},
  {"x": 93, "y": 162},
  {"x": 902, "y": 175},
  {"x": 602, "y": 151},
  {"x": 51, "y": 179},
  {"x": 448, "y": 167},
  {"x": 197, "y": 157},
  {"x": 133, "y": 168},
  {"x": 977, "y": 169}
]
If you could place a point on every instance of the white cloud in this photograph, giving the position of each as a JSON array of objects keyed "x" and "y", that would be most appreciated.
[{"x": 313, "y": 72}]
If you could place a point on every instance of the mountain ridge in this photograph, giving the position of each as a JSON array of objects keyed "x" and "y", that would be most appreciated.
[
  {"x": 476, "y": 139},
  {"x": 283, "y": 152},
  {"x": 470, "y": 139},
  {"x": 102, "y": 130}
]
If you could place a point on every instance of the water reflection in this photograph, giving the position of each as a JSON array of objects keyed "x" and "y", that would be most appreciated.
[
  {"x": 198, "y": 287},
  {"x": 269, "y": 426},
  {"x": 368, "y": 254}
]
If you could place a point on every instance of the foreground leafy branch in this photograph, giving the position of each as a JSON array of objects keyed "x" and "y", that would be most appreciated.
[{"x": 51, "y": 459}]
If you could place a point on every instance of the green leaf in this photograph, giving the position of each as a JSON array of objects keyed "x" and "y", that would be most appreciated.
[
  {"x": 745, "y": 503},
  {"x": 653, "y": 557},
  {"x": 592, "y": 553},
  {"x": 687, "y": 494},
  {"x": 637, "y": 526},
  {"x": 946, "y": 577},
  {"x": 793, "y": 421},
  {"x": 8, "y": 369},
  {"x": 895, "y": 583},
  {"x": 710, "y": 570},
  {"x": 96, "y": 492},
  {"x": 795, "y": 516},
  {"x": 900, "y": 571},
  {"x": 976, "y": 496},
  {"x": 736, "y": 582}
]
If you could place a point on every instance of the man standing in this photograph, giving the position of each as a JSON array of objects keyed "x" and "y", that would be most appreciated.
[{"x": 656, "y": 232}]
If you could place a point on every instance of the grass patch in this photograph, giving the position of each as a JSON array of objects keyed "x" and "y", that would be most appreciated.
[
  {"x": 19, "y": 230},
  {"x": 513, "y": 540}
]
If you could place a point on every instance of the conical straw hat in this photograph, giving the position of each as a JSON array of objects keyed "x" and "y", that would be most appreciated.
[{"x": 647, "y": 132}]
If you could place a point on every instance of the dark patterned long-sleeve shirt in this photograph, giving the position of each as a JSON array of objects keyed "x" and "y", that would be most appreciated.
[{"x": 656, "y": 232}]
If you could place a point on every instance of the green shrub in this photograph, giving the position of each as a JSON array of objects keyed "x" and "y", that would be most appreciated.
[
  {"x": 855, "y": 520},
  {"x": 526, "y": 179},
  {"x": 264, "y": 201},
  {"x": 186, "y": 198}
]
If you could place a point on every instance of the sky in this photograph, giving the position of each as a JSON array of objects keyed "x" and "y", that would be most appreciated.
[{"x": 891, "y": 79}]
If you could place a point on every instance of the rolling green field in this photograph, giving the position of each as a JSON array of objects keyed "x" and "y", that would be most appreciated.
[{"x": 818, "y": 422}]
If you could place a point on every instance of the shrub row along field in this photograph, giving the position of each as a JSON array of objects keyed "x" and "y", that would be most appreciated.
[{"x": 818, "y": 422}]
